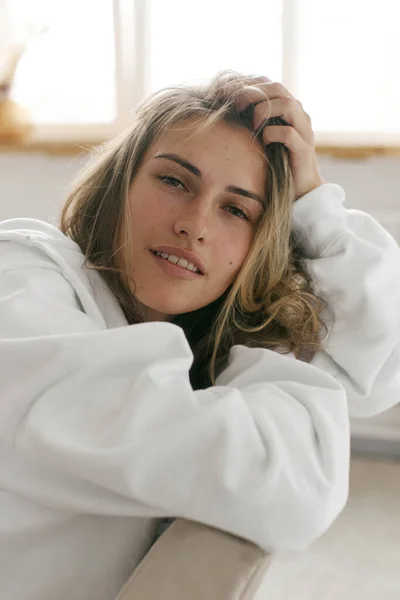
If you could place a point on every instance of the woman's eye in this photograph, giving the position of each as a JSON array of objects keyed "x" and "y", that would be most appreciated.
[
  {"x": 238, "y": 212},
  {"x": 171, "y": 181}
]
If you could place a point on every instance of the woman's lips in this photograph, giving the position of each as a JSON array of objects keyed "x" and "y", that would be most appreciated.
[{"x": 174, "y": 270}]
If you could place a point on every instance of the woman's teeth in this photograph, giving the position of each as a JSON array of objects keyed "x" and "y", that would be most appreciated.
[{"x": 182, "y": 262}]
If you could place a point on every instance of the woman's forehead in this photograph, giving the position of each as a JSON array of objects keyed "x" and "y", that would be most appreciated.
[{"x": 221, "y": 144}]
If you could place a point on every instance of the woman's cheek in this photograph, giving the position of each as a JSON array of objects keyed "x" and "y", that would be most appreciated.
[{"x": 232, "y": 268}]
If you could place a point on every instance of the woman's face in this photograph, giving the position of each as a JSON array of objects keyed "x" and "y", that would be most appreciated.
[{"x": 201, "y": 193}]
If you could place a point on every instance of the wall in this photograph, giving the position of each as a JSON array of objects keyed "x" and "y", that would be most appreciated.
[{"x": 34, "y": 184}]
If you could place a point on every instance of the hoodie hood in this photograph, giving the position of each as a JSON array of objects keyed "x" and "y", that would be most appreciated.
[{"x": 34, "y": 230}]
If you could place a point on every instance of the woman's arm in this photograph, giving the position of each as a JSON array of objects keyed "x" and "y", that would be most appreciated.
[
  {"x": 355, "y": 265},
  {"x": 354, "y": 262},
  {"x": 106, "y": 422}
]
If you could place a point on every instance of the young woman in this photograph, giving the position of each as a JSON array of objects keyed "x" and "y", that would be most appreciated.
[{"x": 190, "y": 343}]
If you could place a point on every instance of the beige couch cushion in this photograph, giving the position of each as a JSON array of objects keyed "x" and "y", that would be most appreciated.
[{"x": 191, "y": 561}]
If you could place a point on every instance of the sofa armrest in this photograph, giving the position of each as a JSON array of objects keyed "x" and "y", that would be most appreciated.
[{"x": 192, "y": 560}]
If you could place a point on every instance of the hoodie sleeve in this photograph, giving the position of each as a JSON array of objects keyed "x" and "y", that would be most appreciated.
[
  {"x": 355, "y": 265},
  {"x": 105, "y": 422}
]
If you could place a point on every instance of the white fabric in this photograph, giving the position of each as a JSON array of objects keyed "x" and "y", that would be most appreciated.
[{"x": 102, "y": 435}]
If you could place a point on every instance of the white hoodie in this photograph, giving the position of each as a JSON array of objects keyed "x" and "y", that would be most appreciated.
[{"x": 102, "y": 435}]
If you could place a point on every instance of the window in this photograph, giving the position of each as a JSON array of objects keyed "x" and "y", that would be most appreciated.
[
  {"x": 97, "y": 59},
  {"x": 193, "y": 40},
  {"x": 69, "y": 71},
  {"x": 347, "y": 62},
  {"x": 67, "y": 75}
]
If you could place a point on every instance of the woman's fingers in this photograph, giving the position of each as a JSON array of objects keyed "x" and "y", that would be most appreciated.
[
  {"x": 252, "y": 94},
  {"x": 272, "y": 99},
  {"x": 290, "y": 110},
  {"x": 256, "y": 80},
  {"x": 285, "y": 135},
  {"x": 247, "y": 82}
]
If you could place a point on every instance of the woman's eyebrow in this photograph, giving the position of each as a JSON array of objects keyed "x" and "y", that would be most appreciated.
[
  {"x": 233, "y": 189},
  {"x": 181, "y": 161}
]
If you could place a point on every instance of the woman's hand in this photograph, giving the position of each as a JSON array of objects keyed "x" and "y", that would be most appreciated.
[{"x": 297, "y": 136}]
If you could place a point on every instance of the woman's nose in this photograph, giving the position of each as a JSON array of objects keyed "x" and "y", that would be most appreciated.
[{"x": 194, "y": 223}]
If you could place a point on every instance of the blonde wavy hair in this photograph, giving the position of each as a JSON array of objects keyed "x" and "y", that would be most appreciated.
[{"x": 271, "y": 303}]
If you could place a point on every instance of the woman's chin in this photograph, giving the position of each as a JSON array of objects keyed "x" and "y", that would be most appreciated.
[{"x": 165, "y": 311}]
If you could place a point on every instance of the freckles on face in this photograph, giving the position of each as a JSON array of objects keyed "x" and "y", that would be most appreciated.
[{"x": 194, "y": 192}]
